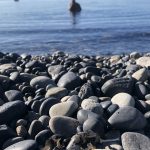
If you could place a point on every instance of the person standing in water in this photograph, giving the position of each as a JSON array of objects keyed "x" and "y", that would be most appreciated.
[{"x": 74, "y": 6}]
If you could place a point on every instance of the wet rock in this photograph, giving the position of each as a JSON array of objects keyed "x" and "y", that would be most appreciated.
[
  {"x": 64, "y": 126},
  {"x": 13, "y": 110},
  {"x": 57, "y": 92},
  {"x": 123, "y": 99},
  {"x": 118, "y": 85},
  {"x": 127, "y": 118},
  {"x": 63, "y": 109},
  {"x": 13, "y": 95},
  {"x": 24, "y": 145},
  {"x": 133, "y": 140},
  {"x": 69, "y": 80}
]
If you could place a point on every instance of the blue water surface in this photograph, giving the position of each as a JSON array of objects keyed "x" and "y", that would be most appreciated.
[{"x": 102, "y": 27}]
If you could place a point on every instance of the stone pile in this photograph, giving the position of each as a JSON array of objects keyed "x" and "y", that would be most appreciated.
[{"x": 74, "y": 102}]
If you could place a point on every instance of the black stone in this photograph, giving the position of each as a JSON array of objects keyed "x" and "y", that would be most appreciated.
[
  {"x": 118, "y": 85},
  {"x": 86, "y": 91},
  {"x": 11, "y": 111},
  {"x": 46, "y": 105}
]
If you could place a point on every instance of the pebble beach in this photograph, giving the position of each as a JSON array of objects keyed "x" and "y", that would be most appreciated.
[{"x": 62, "y": 101}]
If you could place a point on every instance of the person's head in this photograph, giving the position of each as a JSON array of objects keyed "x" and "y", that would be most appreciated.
[{"x": 73, "y": 1}]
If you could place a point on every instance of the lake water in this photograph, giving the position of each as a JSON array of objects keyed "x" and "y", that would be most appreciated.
[{"x": 103, "y": 26}]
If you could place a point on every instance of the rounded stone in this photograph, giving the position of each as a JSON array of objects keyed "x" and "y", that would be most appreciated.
[
  {"x": 117, "y": 85},
  {"x": 143, "y": 61},
  {"x": 42, "y": 136},
  {"x": 5, "y": 134},
  {"x": 57, "y": 92},
  {"x": 94, "y": 125},
  {"x": 141, "y": 75},
  {"x": 83, "y": 115},
  {"x": 127, "y": 118},
  {"x": 123, "y": 99},
  {"x": 41, "y": 82},
  {"x": 135, "y": 55},
  {"x": 69, "y": 80},
  {"x": 92, "y": 105},
  {"x": 5, "y": 82},
  {"x": 105, "y": 104},
  {"x": 135, "y": 141},
  {"x": 36, "y": 106},
  {"x": 26, "y": 77},
  {"x": 55, "y": 70},
  {"x": 21, "y": 131},
  {"x": 44, "y": 120},
  {"x": 111, "y": 109},
  {"x": 35, "y": 128},
  {"x": 7, "y": 66},
  {"x": 75, "y": 98},
  {"x": 14, "y": 76},
  {"x": 64, "y": 126},
  {"x": 24, "y": 145},
  {"x": 32, "y": 116},
  {"x": 63, "y": 109},
  {"x": 140, "y": 90},
  {"x": 13, "y": 95},
  {"x": 47, "y": 104},
  {"x": 12, "y": 141},
  {"x": 13, "y": 110}
]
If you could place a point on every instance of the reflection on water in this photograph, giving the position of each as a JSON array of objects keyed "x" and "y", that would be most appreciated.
[{"x": 75, "y": 16}]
